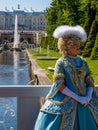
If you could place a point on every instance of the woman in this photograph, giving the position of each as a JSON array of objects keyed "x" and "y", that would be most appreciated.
[{"x": 72, "y": 103}]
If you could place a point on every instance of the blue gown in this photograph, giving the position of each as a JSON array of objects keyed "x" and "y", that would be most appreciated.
[{"x": 61, "y": 112}]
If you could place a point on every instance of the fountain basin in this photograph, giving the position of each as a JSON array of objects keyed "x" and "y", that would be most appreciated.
[
  {"x": 13, "y": 70},
  {"x": 15, "y": 49}
]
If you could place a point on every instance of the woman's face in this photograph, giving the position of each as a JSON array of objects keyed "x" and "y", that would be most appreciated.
[{"x": 73, "y": 48}]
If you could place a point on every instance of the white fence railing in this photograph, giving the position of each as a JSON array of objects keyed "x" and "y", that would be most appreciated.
[{"x": 28, "y": 103}]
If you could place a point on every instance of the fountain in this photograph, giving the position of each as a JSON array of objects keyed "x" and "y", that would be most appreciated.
[
  {"x": 47, "y": 57},
  {"x": 16, "y": 36},
  {"x": 40, "y": 50},
  {"x": 13, "y": 71},
  {"x": 16, "y": 33}
]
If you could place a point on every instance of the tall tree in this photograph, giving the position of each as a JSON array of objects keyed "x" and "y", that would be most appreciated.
[
  {"x": 72, "y": 12},
  {"x": 51, "y": 17},
  {"x": 91, "y": 39},
  {"x": 89, "y": 7},
  {"x": 91, "y": 26},
  {"x": 94, "y": 54}
]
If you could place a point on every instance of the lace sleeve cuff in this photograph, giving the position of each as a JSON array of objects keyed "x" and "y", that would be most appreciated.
[{"x": 57, "y": 76}]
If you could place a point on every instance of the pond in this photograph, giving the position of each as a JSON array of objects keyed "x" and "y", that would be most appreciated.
[{"x": 14, "y": 68}]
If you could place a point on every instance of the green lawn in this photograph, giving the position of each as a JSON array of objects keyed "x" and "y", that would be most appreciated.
[{"x": 93, "y": 64}]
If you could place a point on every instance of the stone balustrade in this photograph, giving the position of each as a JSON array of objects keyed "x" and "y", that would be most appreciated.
[{"x": 28, "y": 102}]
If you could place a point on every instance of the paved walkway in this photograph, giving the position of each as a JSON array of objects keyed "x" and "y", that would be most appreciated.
[{"x": 39, "y": 72}]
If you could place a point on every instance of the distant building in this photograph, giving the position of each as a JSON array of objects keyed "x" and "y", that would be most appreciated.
[{"x": 31, "y": 25}]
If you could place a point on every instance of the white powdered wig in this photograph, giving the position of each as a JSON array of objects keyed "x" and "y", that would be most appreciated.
[{"x": 70, "y": 31}]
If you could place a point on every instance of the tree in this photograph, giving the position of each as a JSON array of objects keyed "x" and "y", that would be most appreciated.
[
  {"x": 51, "y": 17},
  {"x": 94, "y": 54},
  {"x": 91, "y": 39},
  {"x": 73, "y": 12},
  {"x": 89, "y": 7}
]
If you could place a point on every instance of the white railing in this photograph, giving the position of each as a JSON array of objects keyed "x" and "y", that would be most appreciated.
[{"x": 28, "y": 102}]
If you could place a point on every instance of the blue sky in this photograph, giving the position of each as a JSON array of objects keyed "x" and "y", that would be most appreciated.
[{"x": 36, "y": 5}]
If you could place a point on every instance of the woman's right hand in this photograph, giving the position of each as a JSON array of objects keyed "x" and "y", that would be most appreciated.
[
  {"x": 86, "y": 99},
  {"x": 83, "y": 100}
]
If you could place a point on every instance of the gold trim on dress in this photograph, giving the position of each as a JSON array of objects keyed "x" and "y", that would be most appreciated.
[
  {"x": 92, "y": 111},
  {"x": 95, "y": 100},
  {"x": 53, "y": 113},
  {"x": 89, "y": 81},
  {"x": 58, "y": 87},
  {"x": 61, "y": 86},
  {"x": 62, "y": 121},
  {"x": 78, "y": 77},
  {"x": 55, "y": 76},
  {"x": 72, "y": 117},
  {"x": 58, "y": 102}
]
